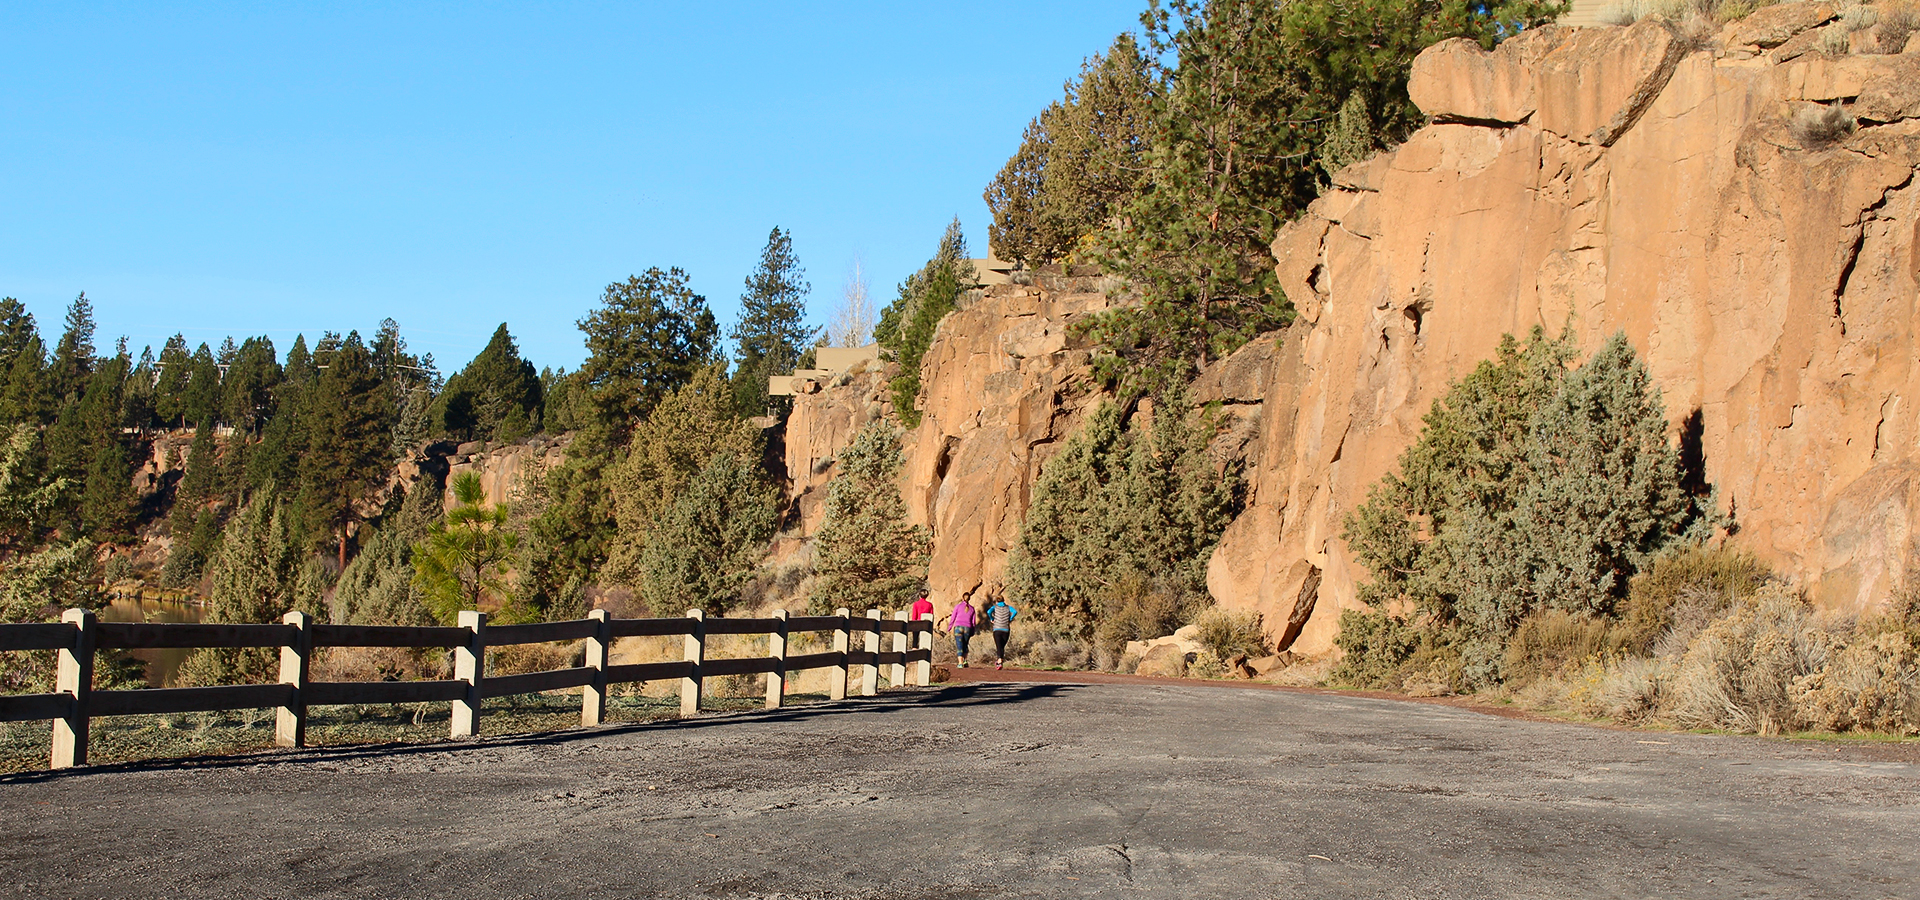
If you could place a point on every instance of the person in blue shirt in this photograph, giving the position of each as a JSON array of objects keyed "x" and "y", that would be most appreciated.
[{"x": 1000, "y": 618}]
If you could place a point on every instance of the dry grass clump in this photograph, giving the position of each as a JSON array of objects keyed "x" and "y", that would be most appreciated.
[
  {"x": 1818, "y": 125},
  {"x": 1897, "y": 22},
  {"x": 1740, "y": 673},
  {"x": 1230, "y": 633}
]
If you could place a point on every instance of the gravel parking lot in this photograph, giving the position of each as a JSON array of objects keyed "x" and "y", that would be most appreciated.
[{"x": 985, "y": 790}]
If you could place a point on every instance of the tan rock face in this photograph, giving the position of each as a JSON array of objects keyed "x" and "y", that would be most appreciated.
[
  {"x": 1771, "y": 290},
  {"x": 1001, "y": 385}
]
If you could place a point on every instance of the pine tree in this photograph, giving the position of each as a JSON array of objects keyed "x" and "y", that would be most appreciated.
[
  {"x": 201, "y": 400},
  {"x": 463, "y": 558},
  {"x": 772, "y": 331},
  {"x": 73, "y": 356},
  {"x": 649, "y": 336},
  {"x": 348, "y": 430},
  {"x": 247, "y": 391},
  {"x": 496, "y": 397},
  {"x": 866, "y": 555}
]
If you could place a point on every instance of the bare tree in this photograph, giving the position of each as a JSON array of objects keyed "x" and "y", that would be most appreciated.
[{"x": 852, "y": 324}]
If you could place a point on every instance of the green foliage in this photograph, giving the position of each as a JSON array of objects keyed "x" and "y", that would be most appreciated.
[
  {"x": 704, "y": 551},
  {"x": 1078, "y": 161},
  {"x": 252, "y": 579},
  {"x": 34, "y": 588},
  {"x": 1120, "y": 504},
  {"x": 495, "y": 398},
  {"x": 772, "y": 331},
  {"x": 1262, "y": 99},
  {"x": 649, "y": 336},
  {"x": 866, "y": 556},
  {"x": 464, "y": 556},
  {"x": 27, "y": 496},
  {"x": 348, "y": 424},
  {"x": 376, "y": 588},
  {"x": 1531, "y": 488},
  {"x": 689, "y": 429},
  {"x": 907, "y": 325}
]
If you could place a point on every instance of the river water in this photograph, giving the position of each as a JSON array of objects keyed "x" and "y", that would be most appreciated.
[{"x": 163, "y": 665}]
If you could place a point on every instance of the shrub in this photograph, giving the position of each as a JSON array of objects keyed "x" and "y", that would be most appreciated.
[
  {"x": 1137, "y": 608},
  {"x": 1550, "y": 642},
  {"x": 1817, "y": 125},
  {"x": 1229, "y": 633},
  {"x": 1897, "y": 22},
  {"x": 1739, "y": 673},
  {"x": 1681, "y": 592}
]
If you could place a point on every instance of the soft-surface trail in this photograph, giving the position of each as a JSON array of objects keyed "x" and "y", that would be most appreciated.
[{"x": 986, "y": 790}]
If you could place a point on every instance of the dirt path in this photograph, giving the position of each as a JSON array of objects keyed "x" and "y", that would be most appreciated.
[{"x": 987, "y": 790}]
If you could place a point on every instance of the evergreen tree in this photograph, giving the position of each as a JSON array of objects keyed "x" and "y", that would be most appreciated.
[
  {"x": 705, "y": 549},
  {"x": 866, "y": 555},
  {"x": 772, "y": 332},
  {"x": 137, "y": 400},
  {"x": 18, "y": 333},
  {"x": 376, "y": 588},
  {"x": 24, "y": 396},
  {"x": 1117, "y": 506},
  {"x": 495, "y": 398},
  {"x": 188, "y": 555},
  {"x": 907, "y": 325},
  {"x": 464, "y": 556},
  {"x": 247, "y": 391},
  {"x": 252, "y": 578},
  {"x": 682, "y": 435},
  {"x": 1531, "y": 488},
  {"x": 649, "y": 336},
  {"x": 201, "y": 401},
  {"x": 73, "y": 356},
  {"x": 170, "y": 390},
  {"x": 348, "y": 430},
  {"x": 27, "y": 496},
  {"x": 1079, "y": 161}
]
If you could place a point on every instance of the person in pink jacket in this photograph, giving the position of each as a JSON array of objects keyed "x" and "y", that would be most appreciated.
[{"x": 961, "y": 620}]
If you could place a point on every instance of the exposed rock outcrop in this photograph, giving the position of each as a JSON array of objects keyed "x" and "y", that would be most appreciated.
[{"x": 1604, "y": 179}]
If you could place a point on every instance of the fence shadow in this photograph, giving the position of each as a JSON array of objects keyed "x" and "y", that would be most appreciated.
[{"x": 958, "y": 696}]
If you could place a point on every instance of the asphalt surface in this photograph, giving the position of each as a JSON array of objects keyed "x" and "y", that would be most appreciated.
[{"x": 997, "y": 790}]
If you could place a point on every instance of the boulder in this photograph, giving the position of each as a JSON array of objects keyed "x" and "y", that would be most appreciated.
[
  {"x": 1165, "y": 661},
  {"x": 1593, "y": 86},
  {"x": 1456, "y": 80},
  {"x": 1771, "y": 26}
]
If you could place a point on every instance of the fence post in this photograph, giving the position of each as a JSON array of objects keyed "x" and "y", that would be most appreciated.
[
  {"x": 837, "y": 679},
  {"x": 74, "y": 677},
  {"x": 696, "y": 654},
  {"x": 777, "y": 648},
  {"x": 593, "y": 700},
  {"x": 296, "y": 660},
  {"x": 870, "y": 677},
  {"x": 923, "y": 639},
  {"x": 897, "y": 676},
  {"x": 470, "y": 665}
]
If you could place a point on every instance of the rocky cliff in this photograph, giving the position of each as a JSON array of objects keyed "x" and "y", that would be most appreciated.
[{"x": 1741, "y": 205}]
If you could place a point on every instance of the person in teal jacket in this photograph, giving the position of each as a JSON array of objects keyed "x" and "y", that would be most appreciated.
[{"x": 1000, "y": 618}]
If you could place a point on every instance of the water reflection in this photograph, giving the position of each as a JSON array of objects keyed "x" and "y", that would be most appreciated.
[{"x": 163, "y": 664}]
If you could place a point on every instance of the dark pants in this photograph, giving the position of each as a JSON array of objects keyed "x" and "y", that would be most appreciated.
[
  {"x": 960, "y": 636},
  {"x": 1000, "y": 643}
]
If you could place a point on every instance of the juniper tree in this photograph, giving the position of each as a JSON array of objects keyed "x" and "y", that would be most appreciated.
[
  {"x": 705, "y": 549},
  {"x": 865, "y": 554}
]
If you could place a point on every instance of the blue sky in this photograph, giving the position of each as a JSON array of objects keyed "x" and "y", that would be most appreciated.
[{"x": 278, "y": 168}]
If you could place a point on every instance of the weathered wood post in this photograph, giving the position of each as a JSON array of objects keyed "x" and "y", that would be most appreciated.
[
  {"x": 870, "y": 676},
  {"x": 837, "y": 679},
  {"x": 897, "y": 676},
  {"x": 697, "y": 655},
  {"x": 469, "y": 665},
  {"x": 296, "y": 661},
  {"x": 593, "y": 700},
  {"x": 777, "y": 648},
  {"x": 923, "y": 639},
  {"x": 73, "y": 676}
]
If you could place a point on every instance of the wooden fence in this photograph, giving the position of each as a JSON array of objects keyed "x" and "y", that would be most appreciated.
[{"x": 78, "y": 635}]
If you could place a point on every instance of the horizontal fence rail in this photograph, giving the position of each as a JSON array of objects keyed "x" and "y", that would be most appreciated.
[{"x": 79, "y": 635}]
